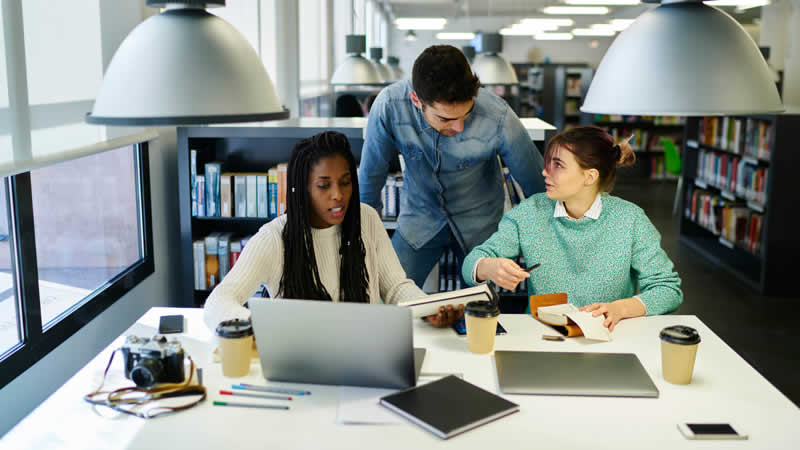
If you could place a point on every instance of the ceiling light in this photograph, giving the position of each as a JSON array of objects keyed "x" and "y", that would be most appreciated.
[
  {"x": 455, "y": 36},
  {"x": 411, "y": 23},
  {"x": 592, "y": 32},
  {"x": 526, "y": 30},
  {"x": 355, "y": 69},
  {"x": 553, "y": 36},
  {"x": 185, "y": 66},
  {"x": 548, "y": 21},
  {"x": 535, "y": 26},
  {"x": 601, "y": 2},
  {"x": 603, "y": 27},
  {"x": 490, "y": 67},
  {"x": 577, "y": 10},
  {"x": 411, "y": 36},
  {"x": 739, "y": 4},
  {"x": 712, "y": 67},
  {"x": 622, "y": 24}
]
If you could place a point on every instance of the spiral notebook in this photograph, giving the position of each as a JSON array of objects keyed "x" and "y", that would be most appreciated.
[{"x": 448, "y": 406}]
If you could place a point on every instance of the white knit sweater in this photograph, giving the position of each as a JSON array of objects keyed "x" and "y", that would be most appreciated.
[{"x": 261, "y": 261}]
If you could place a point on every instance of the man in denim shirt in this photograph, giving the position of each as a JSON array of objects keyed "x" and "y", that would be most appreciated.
[{"x": 449, "y": 132}]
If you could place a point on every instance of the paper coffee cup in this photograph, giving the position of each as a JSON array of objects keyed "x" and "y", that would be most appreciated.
[
  {"x": 235, "y": 342},
  {"x": 678, "y": 351},
  {"x": 481, "y": 319}
]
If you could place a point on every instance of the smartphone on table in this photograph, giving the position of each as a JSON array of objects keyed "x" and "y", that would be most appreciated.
[
  {"x": 711, "y": 431},
  {"x": 460, "y": 326},
  {"x": 170, "y": 324}
]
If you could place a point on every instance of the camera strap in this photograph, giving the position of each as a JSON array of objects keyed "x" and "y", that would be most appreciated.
[{"x": 131, "y": 400}]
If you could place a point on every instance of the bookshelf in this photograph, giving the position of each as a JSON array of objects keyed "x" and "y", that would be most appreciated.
[
  {"x": 647, "y": 144},
  {"x": 254, "y": 147},
  {"x": 738, "y": 196}
]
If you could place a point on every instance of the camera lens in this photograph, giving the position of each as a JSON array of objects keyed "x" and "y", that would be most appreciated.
[{"x": 147, "y": 372}]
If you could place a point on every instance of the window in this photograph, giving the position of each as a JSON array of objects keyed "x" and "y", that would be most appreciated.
[
  {"x": 75, "y": 225},
  {"x": 314, "y": 49}
]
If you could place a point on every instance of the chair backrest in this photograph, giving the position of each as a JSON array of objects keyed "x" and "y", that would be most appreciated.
[
  {"x": 672, "y": 158},
  {"x": 347, "y": 105}
]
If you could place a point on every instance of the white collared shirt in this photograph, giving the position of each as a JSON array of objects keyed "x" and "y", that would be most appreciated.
[{"x": 593, "y": 212}]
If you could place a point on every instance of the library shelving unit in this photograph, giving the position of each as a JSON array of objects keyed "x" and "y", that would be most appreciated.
[
  {"x": 648, "y": 131},
  {"x": 255, "y": 147},
  {"x": 554, "y": 92},
  {"x": 739, "y": 195}
]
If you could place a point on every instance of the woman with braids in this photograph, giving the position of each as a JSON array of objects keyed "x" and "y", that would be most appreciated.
[
  {"x": 327, "y": 246},
  {"x": 597, "y": 248}
]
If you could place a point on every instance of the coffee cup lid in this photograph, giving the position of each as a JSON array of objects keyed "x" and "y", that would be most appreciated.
[
  {"x": 482, "y": 308},
  {"x": 680, "y": 334},
  {"x": 235, "y": 328}
]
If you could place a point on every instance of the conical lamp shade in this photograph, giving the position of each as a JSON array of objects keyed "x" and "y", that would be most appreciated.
[
  {"x": 683, "y": 59},
  {"x": 493, "y": 69},
  {"x": 185, "y": 67},
  {"x": 356, "y": 70}
]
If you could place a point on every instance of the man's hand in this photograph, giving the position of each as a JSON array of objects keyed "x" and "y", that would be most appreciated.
[
  {"x": 501, "y": 271},
  {"x": 446, "y": 316}
]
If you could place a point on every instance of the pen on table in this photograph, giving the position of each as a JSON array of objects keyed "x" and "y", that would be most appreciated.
[
  {"x": 247, "y": 394},
  {"x": 248, "y": 405},
  {"x": 533, "y": 267},
  {"x": 250, "y": 387}
]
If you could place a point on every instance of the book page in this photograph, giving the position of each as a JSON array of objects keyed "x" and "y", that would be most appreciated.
[
  {"x": 592, "y": 327},
  {"x": 555, "y": 314}
]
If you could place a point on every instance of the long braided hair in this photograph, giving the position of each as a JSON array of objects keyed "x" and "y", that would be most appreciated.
[{"x": 300, "y": 277}]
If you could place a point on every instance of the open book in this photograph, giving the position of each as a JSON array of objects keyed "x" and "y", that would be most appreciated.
[
  {"x": 561, "y": 315},
  {"x": 430, "y": 304}
]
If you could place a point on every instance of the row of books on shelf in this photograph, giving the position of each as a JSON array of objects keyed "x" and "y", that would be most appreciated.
[
  {"x": 214, "y": 256},
  {"x": 658, "y": 169},
  {"x": 644, "y": 140},
  {"x": 391, "y": 193},
  {"x": 227, "y": 194},
  {"x": 735, "y": 223},
  {"x": 574, "y": 84},
  {"x": 655, "y": 120},
  {"x": 751, "y": 137},
  {"x": 733, "y": 174}
]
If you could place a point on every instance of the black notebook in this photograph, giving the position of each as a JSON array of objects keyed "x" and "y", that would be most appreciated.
[{"x": 448, "y": 406}]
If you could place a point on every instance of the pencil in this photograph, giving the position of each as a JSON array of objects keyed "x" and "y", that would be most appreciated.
[
  {"x": 246, "y": 394},
  {"x": 248, "y": 405},
  {"x": 250, "y": 387},
  {"x": 533, "y": 267}
]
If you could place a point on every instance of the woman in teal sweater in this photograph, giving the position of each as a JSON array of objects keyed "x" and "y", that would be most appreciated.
[{"x": 597, "y": 248}]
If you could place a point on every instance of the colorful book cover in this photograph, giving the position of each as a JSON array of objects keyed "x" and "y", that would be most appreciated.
[
  {"x": 212, "y": 260},
  {"x": 213, "y": 172},
  {"x": 240, "y": 194},
  {"x": 263, "y": 195},
  {"x": 201, "y": 195},
  {"x": 193, "y": 180},
  {"x": 226, "y": 195},
  {"x": 282, "y": 174},
  {"x": 236, "y": 250},
  {"x": 199, "y": 254},
  {"x": 272, "y": 179}
]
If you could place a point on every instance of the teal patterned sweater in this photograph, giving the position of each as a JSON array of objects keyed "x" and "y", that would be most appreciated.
[{"x": 601, "y": 260}]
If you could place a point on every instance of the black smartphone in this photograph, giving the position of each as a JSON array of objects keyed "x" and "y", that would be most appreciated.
[
  {"x": 170, "y": 324},
  {"x": 460, "y": 326}
]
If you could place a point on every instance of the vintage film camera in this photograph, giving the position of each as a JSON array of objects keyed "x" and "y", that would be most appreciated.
[{"x": 151, "y": 361}]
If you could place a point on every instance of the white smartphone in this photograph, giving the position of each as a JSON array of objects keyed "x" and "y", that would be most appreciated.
[{"x": 711, "y": 431}]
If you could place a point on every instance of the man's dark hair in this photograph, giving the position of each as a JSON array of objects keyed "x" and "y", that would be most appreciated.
[
  {"x": 300, "y": 277},
  {"x": 442, "y": 74}
]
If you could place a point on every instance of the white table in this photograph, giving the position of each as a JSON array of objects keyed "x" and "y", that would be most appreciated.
[{"x": 724, "y": 388}]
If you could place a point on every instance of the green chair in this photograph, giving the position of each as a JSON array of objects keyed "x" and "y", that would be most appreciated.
[{"x": 672, "y": 164}]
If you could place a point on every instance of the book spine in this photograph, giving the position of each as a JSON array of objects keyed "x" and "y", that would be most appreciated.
[
  {"x": 236, "y": 250},
  {"x": 263, "y": 195},
  {"x": 223, "y": 253},
  {"x": 398, "y": 191},
  {"x": 252, "y": 196},
  {"x": 199, "y": 253},
  {"x": 212, "y": 189},
  {"x": 193, "y": 180},
  {"x": 201, "y": 195},
  {"x": 282, "y": 173},
  {"x": 240, "y": 194},
  {"x": 225, "y": 194},
  {"x": 212, "y": 260},
  {"x": 272, "y": 180}
]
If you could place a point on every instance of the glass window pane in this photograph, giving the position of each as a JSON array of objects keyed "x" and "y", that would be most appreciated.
[
  {"x": 5, "y": 118},
  {"x": 87, "y": 227},
  {"x": 9, "y": 308}
]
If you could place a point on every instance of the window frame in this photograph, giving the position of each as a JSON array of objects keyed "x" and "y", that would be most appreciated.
[{"x": 38, "y": 340}]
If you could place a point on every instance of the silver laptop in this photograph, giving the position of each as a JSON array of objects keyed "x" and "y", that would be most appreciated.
[
  {"x": 564, "y": 373},
  {"x": 354, "y": 344}
]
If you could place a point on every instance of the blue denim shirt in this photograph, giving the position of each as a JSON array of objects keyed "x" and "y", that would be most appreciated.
[{"x": 447, "y": 180}]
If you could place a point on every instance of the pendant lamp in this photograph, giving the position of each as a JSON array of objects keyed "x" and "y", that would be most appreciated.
[
  {"x": 490, "y": 67},
  {"x": 683, "y": 58},
  {"x": 185, "y": 66},
  {"x": 469, "y": 52},
  {"x": 394, "y": 66},
  {"x": 355, "y": 69},
  {"x": 375, "y": 54}
]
